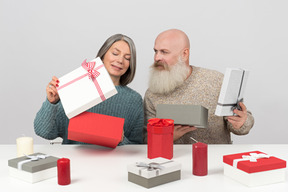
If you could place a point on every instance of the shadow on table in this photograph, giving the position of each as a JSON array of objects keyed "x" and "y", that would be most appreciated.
[{"x": 96, "y": 149}]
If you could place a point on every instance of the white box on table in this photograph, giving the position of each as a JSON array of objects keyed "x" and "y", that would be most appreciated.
[
  {"x": 148, "y": 175},
  {"x": 254, "y": 168},
  {"x": 33, "y": 171}
]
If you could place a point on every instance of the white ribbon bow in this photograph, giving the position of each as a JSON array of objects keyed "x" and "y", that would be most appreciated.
[
  {"x": 30, "y": 158},
  {"x": 252, "y": 158},
  {"x": 151, "y": 166}
]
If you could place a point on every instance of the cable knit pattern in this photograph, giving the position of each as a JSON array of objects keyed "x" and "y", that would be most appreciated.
[
  {"x": 201, "y": 88},
  {"x": 51, "y": 121}
]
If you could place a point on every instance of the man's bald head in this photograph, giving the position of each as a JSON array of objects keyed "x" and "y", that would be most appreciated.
[
  {"x": 172, "y": 45},
  {"x": 176, "y": 37}
]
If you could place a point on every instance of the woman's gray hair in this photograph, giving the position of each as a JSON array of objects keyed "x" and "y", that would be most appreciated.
[{"x": 127, "y": 77}]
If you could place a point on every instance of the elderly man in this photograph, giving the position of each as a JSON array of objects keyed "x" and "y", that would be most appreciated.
[{"x": 174, "y": 81}]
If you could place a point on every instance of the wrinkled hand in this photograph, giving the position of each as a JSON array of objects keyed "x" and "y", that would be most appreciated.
[
  {"x": 239, "y": 120},
  {"x": 180, "y": 130},
  {"x": 51, "y": 91}
]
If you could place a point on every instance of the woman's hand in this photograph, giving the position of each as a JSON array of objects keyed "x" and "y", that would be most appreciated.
[{"x": 51, "y": 90}]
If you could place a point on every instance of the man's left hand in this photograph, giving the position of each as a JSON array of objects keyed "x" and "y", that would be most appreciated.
[{"x": 239, "y": 120}]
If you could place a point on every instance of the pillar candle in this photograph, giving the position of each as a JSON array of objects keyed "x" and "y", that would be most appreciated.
[
  {"x": 200, "y": 159},
  {"x": 24, "y": 146},
  {"x": 63, "y": 170}
]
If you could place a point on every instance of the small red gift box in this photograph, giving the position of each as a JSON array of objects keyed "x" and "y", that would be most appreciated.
[
  {"x": 160, "y": 138},
  {"x": 254, "y": 168},
  {"x": 96, "y": 129}
]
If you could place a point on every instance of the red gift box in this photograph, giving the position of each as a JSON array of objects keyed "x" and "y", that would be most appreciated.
[
  {"x": 251, "y": 164},
  {"x": 160, "y": 138},
  {"x": 96, "y": 129}
]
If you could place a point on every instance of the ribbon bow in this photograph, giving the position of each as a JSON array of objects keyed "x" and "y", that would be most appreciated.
[
  {"x": 149, "y": 166},
  {"x": 252, "y": 158},
  {"x": 89, "y": 67},
  {"x": 30, "y": 158},
  {"x": 157, "y": 121}
]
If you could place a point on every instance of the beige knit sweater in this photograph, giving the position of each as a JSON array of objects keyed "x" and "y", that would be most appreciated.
[{"x": 201, "y": 88}]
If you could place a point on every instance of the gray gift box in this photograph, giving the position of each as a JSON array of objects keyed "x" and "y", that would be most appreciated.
[
  {"x": 33, "y": 170},
  {"x": 193, "y": 115},
  {"x": 148, "y": 177}
]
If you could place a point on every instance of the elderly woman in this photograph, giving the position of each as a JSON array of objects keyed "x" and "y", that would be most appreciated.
[{"x": 118, "y": 54}]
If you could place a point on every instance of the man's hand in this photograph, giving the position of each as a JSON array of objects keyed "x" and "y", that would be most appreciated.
[
  {"x": 180, "y": 130},
  {"x": 239, "y": 120}
]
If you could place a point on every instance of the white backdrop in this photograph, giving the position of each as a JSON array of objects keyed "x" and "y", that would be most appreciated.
[{"x": 42, "y": 38}]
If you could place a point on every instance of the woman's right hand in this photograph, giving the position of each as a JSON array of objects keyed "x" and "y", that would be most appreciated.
[{"x": 51, "y": 90}]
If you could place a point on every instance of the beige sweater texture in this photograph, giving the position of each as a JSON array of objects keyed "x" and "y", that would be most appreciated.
[{"x": 202, "y": 87}]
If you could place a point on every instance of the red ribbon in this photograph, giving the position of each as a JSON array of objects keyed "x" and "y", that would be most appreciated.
[
  {"x": 92, "y": 74},
  {"x": 89, "y": 67},
  {"x": 160, "y": 122}
]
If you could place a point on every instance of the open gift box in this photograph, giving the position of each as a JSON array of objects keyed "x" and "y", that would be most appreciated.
[
  {"x": 193, "y": 115},
  {"x": 85, "y": 87},
  {"x": 254, "y": 168},
  {"x": 33, "y": 168},
  {"x": 154, "y": 172}
]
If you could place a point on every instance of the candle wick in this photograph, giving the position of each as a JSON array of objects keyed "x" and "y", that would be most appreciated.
[{"x": 194, "y": 139}]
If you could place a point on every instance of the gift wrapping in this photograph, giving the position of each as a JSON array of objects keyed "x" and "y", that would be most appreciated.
[
  {"x": 151, "y": 173},
  {"x": 96, "y": 129},
  {"x": 160, "y": 138},
  {"x": 254, "y": 168},
  {"x": 193, "y": 115},
  {"x": 85, "y": 87},
  {"x": 232, "y": 91},
  {"x": 33, "y": 168}
]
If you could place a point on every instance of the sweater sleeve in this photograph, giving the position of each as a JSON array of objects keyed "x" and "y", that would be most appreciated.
[
  {"x": 50, "y": 121},
  {"x": 135, "y": 124}
]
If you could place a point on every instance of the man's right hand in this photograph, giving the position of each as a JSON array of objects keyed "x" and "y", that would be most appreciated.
[
  {"x": 180, "y": 130},
  {"x": 51, "y": 91}
]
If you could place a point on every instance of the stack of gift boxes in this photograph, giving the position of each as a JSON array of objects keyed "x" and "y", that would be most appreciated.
[{"x": 89, "y": 85}]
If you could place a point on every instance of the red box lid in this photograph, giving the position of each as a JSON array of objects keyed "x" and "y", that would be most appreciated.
[
  {"x": 96, "y": 129},
  {"x": 262, "y": 164}
]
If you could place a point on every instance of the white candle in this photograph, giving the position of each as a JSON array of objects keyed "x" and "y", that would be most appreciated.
[{"x": 24, "y": 146}]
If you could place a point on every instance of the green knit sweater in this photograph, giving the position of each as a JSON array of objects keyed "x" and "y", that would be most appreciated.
[{"x": 51, "y": 121}]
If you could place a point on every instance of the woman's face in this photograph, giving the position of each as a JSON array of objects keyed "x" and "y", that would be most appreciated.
[{"x": 117, "y": 60}]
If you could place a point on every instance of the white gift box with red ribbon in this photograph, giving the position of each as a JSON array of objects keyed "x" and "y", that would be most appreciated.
[
  {"x": 85, "y": 87},
  {"x": 254, "y": 168}
]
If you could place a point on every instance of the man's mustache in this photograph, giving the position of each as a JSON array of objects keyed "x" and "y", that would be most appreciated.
[{"x": 157, "y": 64}]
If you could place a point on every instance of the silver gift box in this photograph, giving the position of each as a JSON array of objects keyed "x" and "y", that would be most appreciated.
[{"x": 193, "y": 115}]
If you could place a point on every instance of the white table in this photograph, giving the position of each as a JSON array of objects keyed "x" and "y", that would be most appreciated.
[{"x": 95, "y": 168}]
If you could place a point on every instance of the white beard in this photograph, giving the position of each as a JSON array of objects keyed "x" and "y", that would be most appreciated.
[{"x": 166, "y": 80}]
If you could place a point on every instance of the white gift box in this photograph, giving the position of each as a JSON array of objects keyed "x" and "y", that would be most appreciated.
[
  {"x": 254, "y": 168},
  {"x": 154, "y": 172},
  {"x": 232, "y": 91},
  {"x": 33, "y": 168},
  {"x": 85, "y": 87}
]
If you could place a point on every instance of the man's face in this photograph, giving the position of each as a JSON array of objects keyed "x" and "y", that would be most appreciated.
[{"x": 166, "y": 53}]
